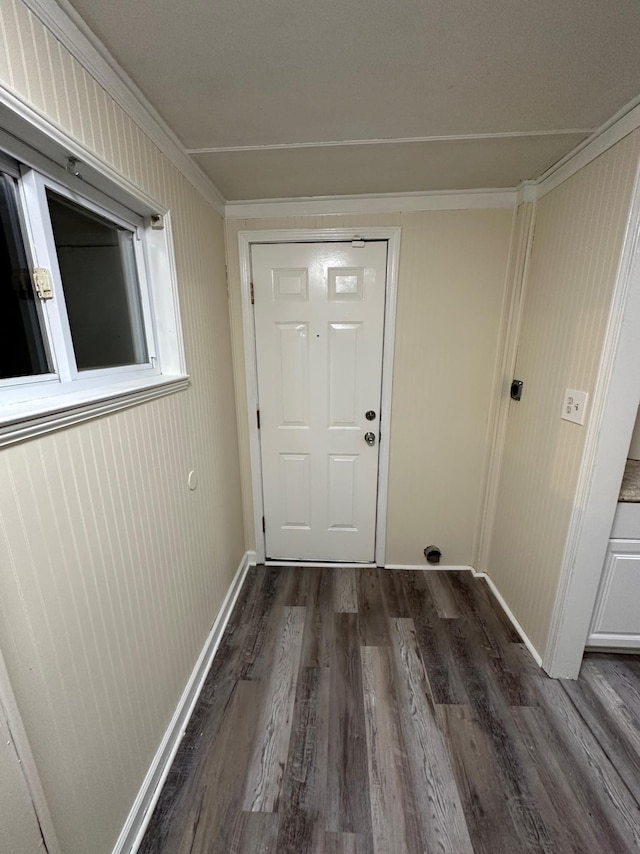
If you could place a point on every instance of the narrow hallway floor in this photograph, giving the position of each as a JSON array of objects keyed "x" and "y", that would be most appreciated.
[{"x": 366, "y": 711}]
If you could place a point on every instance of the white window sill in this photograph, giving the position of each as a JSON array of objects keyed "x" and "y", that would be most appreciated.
[{"x": 20, "y": 421}]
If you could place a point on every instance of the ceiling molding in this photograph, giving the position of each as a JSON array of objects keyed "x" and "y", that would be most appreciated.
[
  {"x": 347, "y": 143},
  {"x": 527, "y": 192},
  {"x": 32, "y": 138},
  {"x": 624, "y": 122},
  {"x": 619, "y": 126},
  {"x": 383, "y": 203},
  {"x": 67, "y": 26}
]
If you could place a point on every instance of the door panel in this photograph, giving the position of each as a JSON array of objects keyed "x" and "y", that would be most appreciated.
[
  {"x": 319, "y": 322},
  {"x": 343, "y": 479},
  {"x": 294, "y": 387},
  {"x": 343, "y": 374},
  {"x": 295, "y": 490}
]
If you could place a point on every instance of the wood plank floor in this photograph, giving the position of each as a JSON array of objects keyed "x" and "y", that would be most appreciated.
[{"x": 362, "y": 711}]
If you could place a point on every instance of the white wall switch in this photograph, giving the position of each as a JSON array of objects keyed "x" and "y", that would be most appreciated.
[{"x": 574, "y": 405}]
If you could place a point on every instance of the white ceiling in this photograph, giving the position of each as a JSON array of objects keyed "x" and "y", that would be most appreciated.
[{"x": 244, "y": 74}]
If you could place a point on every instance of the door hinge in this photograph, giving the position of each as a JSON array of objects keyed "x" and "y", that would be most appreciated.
[
  {"x": 42, "y": 281},
  {"x": 264, "y": 527},
  {"x": 258, "y": 417},
  {"x": 252, "y": 294}
]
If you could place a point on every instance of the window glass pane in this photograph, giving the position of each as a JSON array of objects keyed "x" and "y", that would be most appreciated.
[
  {"x": 101, "y": 289},
  {"x": 22, "y": 351}
]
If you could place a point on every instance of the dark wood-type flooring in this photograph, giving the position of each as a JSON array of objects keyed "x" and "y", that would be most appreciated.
[{"x": 351, "y": 711}]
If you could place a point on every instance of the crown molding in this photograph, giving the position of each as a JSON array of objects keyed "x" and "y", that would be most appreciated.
[
  {"x": 527, "y": 192},
  {"x": 33, "y": 139},
  {"x": 624, "y": 122},
  {"x": 451, "y": 200},
  {"x": 61, "y": 19}
]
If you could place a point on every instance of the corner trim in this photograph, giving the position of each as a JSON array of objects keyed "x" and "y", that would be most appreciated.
[
  {"x": 526, "y": 192},
  {"x": 138, "y": 819},
  {"x": 62, "y": 20},
  {"x": 516, "y": 276},
  {"x": 10, "y": 711},
  {"x": 507, "y": 610}
]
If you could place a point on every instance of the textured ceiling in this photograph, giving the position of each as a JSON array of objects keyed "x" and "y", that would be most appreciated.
[{"x": 249, "y": 73}]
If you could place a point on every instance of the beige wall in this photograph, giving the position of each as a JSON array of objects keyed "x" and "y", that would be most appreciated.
[
  {"x": 112, "y": 571},
  {"x": 579, "y": 230},
  {"x": 451, "y": 299},
  {"x": 19, "y": 826}
]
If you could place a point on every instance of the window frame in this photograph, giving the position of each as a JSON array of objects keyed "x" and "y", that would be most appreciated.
[
  {"x": 11, "y": 169},
  {"x": 34, "y": 188},
  {"x": 42, "y": 402}
]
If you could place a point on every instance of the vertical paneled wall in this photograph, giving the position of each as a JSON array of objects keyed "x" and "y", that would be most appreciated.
[
  {"x": 112, "y": 571},
  {"x": 451, "y": 299},
  {"x": 20, "y": 831},
  {"x": 578, "y": 240}
]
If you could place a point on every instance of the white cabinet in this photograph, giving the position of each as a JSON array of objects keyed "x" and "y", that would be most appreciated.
[{"x": 616, "y": 617}]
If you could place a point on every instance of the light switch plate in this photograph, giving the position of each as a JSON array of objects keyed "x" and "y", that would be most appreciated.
[{"x": 574, "y": 405}]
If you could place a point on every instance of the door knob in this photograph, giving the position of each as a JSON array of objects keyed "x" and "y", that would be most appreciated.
[{"x": 370, "y": 438}]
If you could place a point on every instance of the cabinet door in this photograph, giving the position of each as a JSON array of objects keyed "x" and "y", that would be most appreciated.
[{"x": 616, "y": 617}]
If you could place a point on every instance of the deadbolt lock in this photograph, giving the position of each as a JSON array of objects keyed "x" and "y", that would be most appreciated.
[{"x": 370, "y": 415}]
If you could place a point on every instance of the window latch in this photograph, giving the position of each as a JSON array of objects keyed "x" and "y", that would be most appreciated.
[{"x": 42, "y": 281}]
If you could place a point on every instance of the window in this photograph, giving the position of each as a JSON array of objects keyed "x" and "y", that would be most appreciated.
[
  {"x": 101, "y": 286},
  {"x": 79, "y": 318}
]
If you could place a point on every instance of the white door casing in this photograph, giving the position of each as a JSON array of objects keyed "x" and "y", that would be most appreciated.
[{"x": 319, "y": 324}]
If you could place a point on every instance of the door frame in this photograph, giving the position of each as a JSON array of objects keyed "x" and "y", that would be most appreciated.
[{"x": 320, "y": 235}]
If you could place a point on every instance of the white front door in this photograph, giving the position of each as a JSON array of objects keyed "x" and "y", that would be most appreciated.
[{"x": 319, "y": 323}]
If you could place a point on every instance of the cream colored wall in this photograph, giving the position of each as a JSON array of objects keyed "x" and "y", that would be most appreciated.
[
  {"x": 578, "y": 239},
  {"x": 19, "y": 824},
  {"x": 112, "y": 571},
  {"x": 451, "y": 299}
]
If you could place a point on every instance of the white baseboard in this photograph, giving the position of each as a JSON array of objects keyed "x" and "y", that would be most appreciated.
[
  {"x": 619, "y": 642},
  {"x": 144, "y": 804},
  {"x": 516, "y": 625},
  {"x": 303, "y": 564},
  {"x": 251, "y": 558},
  {"x": 428, "y": 567},
  {"x": 317, "y": 564}
]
